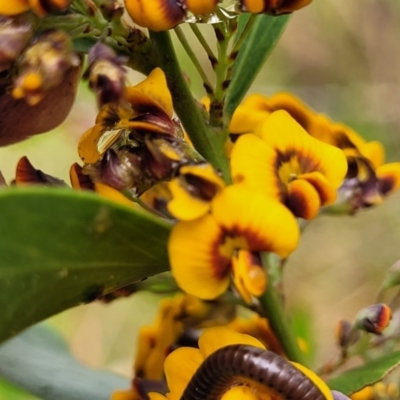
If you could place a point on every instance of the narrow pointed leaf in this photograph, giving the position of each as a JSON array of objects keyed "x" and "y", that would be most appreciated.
[
  {"x": 39, "y": 361},
  {"x": 355, "y": 379},
  {"x": 60, "y": 248},
  {"x": 263, "y": 37}
]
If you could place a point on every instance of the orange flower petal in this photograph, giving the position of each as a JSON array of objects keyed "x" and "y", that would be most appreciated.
[
  {"x": 261, "y": 222},
  {"x": 183, "y": 205},
  {"x": 153, "y": 93},
  {"x": 253, "y": 6},
  {"x": 248, "y": 275},
  {"x": 114, "y": 195},
  {"x": 253, "y": 163},
  {"x": 249, "y": 114},
  {"x": 289, "y": 139},
  {"x": 179, "y": 368},
  {"x": 303, "y": 199},
  {"x": 344, "y": 137},
  {"x": 157, "y": 15},
  {"x": 78, "y": 179},
  {"x": 87, "y": 147},
  {"x": 374, "y": 152},
  {"x": 215, "y": 338},
  {"x": 326, "y": 192},
  {"x": 14, "y": 7},
  {"x": 240, "y": 393},
  {"x": 153, "y": 396},
  {"x": 130, "y": 394},
  {"x": 389, "y": 178},
  {"x": 273, "y": 7},
  {"x": 196, "y": 260},
  {"x": 193, "y": 191},
  {"x": 294, "y": 106},
  {"x": 201, "y": 7}
]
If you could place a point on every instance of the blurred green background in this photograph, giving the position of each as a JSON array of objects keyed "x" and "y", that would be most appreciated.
[{"x": 343, "y": 58}]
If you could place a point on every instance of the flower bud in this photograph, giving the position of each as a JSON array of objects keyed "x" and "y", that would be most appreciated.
[
  {"x": 44, "y": 65},
  {"x": 117, "y": 172},
  {"x": 106, "y": 74},
  {"x": 14, "y": 36},
  {"x": 273, "y": 7},
  {"x": 20, "y": 120},
  {"x": 157, "y": 15},
  {"x": 374, "y": 318},
  {"x": 344, "y": 334},
  {"x": 45, "y": 7}
]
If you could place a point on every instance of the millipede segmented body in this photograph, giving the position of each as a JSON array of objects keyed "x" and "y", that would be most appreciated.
[{"x": 231, "y": 365}]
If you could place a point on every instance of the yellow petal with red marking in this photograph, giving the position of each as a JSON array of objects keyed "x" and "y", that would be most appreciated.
[
  {"x": 249, "y": 114},
  {"x": 241, "y": 393},
  {"x": 179, "y": 368},
  {"x": 157, "y": 15},
  {"x": 261, "y": 222},
  {"x": 196, "y": 260},
  {"x": 183, "y": 205},
  {"x": 297, "y": 109},
  {"x": 215, "y": 338},
  {"x": 193, "y": 190},
  {"x": 326, "y": 192},
  {"x": 87, "y": 147},
  {"x": 253, "y": 163},
  {"x": 152, "y": 92},
  {"x": 374, "y": 152},
  {"x": 114, "y": 195},
  {"x": 389, "y": 178},
  {"x": 289, "y": 139},
  {"x": 303, "y": 199},
  {"x": 248, "y": 275}
]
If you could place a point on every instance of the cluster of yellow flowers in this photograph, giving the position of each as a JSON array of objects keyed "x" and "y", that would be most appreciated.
[
  {"x": 178, "y": 322},
  {"x": 286, "y": 161}
]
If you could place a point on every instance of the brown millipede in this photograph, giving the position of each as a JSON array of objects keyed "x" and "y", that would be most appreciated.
[{"x": 230, "y": 365}]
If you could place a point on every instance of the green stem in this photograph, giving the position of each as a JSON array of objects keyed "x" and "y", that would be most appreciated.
[
  {"x": 274, "y": 312},
  {"x": 243, "y": 35},
  {"x": 224, "y": 35},
  {"x": 203, "y": 42},
  {"x": 209, "y": 144},
  {"x": 185, "y": 44}
]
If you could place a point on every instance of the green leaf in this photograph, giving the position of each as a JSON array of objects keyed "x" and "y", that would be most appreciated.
[
  {"x": 60, "y": 248},
  {"x": 39, "y": 361},
  {"x": 355, "y": 379},
  {"x": 263, "y": 37},
  {"x": 10, "y": 391}
]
